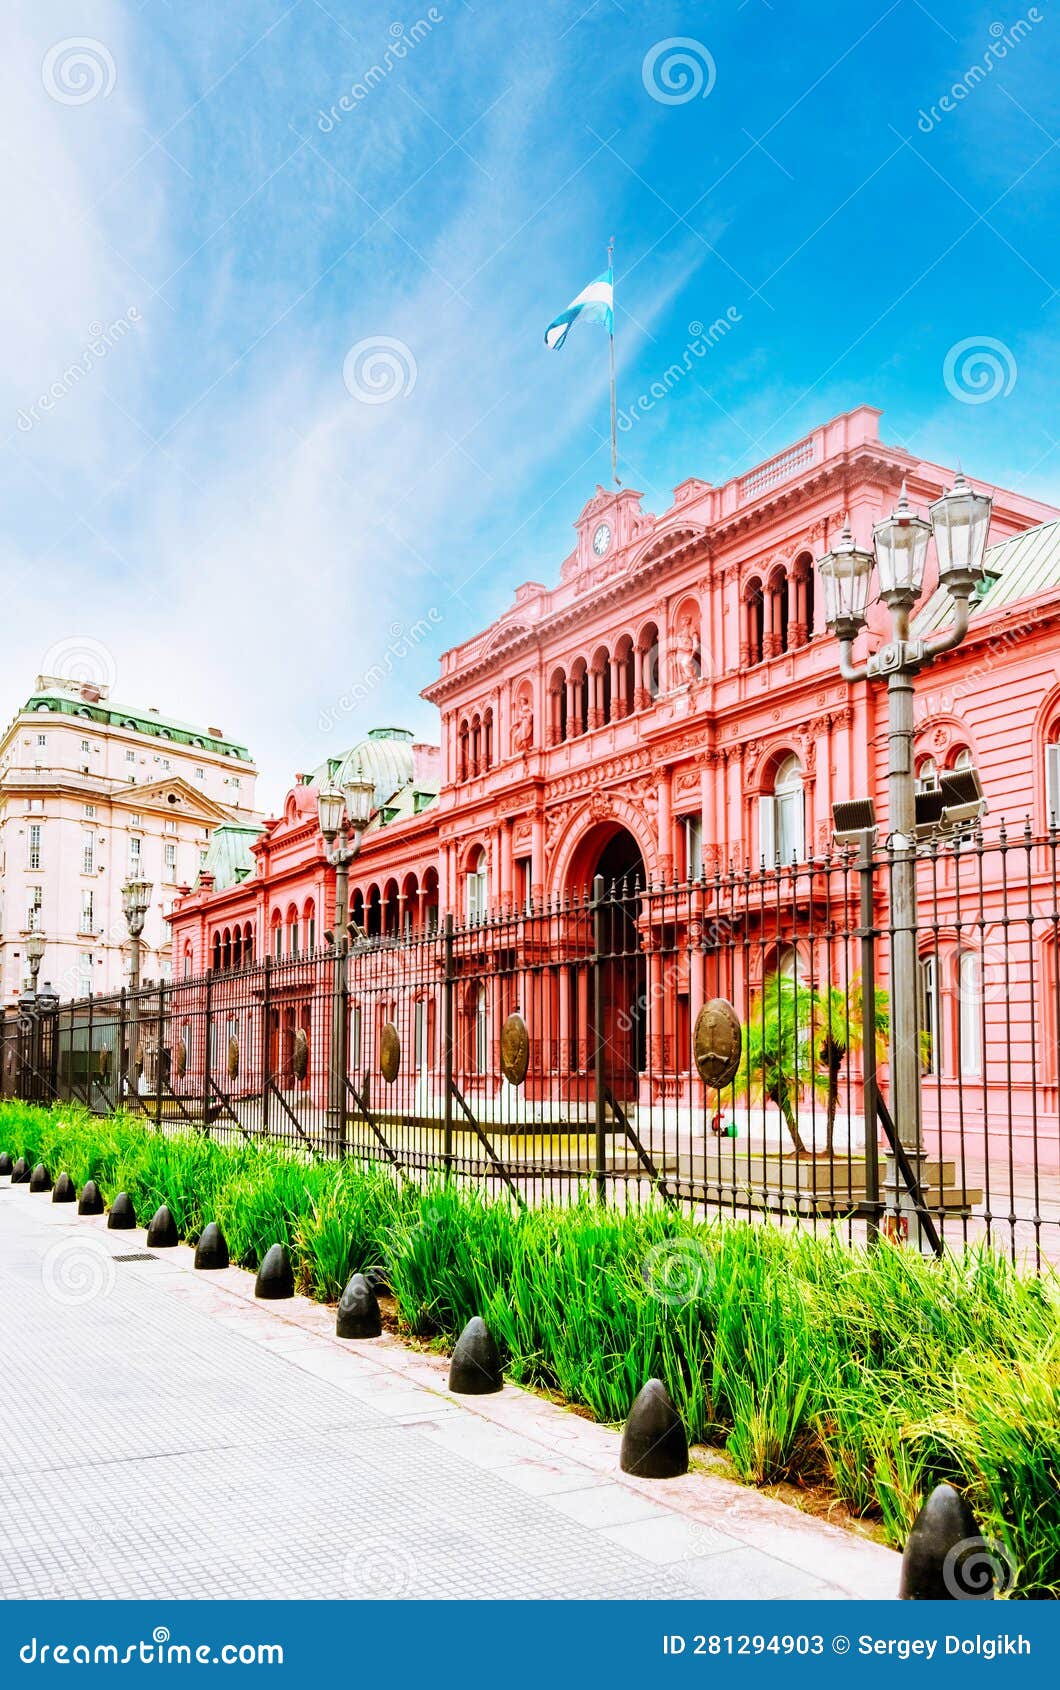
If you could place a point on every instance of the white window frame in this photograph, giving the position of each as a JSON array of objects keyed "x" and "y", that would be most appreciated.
[
  {"x": 1052, "y": 784},
  {"x": 930, "y": 1012},
  {"x": 88, "y": 910},
  {"x": 482, "y": 1030},
  {"x": 782, "y": 816},
  {"x": 969, "y": 1011},
  {"x": 88, "y": 852},
  {"x": 33, "y": 845},
  {"x": 693, "y": 826},
  {"x": 478, "y": 889}
]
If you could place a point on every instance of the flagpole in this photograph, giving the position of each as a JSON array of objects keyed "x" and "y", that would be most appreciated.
[{"x": 614, "y": 416}]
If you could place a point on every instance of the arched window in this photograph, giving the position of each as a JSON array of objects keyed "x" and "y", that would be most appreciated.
[
  {"x": 578, "y": 698},
  {"x": 293, "y": 937},
  {"x": 782, "y": 823},
  {"x": 357, "y": 910},
  {"x": 187, "y": 961},
  {"x": 647, "y": 687},
  {"x": 487, "y": 739},
  {"x": 410, "y": 904},
  {"x": 476, "y": 744},
  {"x": 927, "y": 775},
  {"x": 776, "y": 614},
  {"x": 217, "y": 950},
  {"x": 625, "y": 667},
  {"x": 430, "y": 900},
  {"x": 1052, "y": 774},
  {"x": 557, "y": 708},
  {"x": 463, "y": 740},
  {"x": 226, "y": 949},
  {"x": 802, "y": 582},
  {"x": 477, "y": 887},
  {"x": 962, "y": 760},
  {"x": 600, "y": 688},
  {"x": 277, "y": 934},
  {"x": 309, "y": 925},
  {"x": 390, "y": 910},
  {"x": 374, "y": 913},
  {"x": 754, "y": 622},
  {"x": 237, "y": 948},
  {"x": 248, "y": 945}
]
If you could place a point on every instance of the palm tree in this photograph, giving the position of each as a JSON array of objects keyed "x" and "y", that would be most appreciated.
[
  {"x": 779, "y": 1059},
  {"x": 839, "y": 1015}
]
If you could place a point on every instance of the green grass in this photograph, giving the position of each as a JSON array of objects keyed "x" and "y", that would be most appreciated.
[{"x": 876, "y": 1374}]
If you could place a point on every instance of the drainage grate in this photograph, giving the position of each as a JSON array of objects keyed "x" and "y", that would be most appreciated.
[{"x": 137, "y": 1256}]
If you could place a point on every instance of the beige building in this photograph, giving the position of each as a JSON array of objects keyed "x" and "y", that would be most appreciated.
[{"x": 91, "y": 795}]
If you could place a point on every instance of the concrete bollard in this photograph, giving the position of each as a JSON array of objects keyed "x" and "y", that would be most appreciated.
[
  {"x": 654, "y": 1445},
  {"x": 275, "y": 1275},
  {"x": 475, "y": 1370},
  {"x": 6, "y": 1164},
  {"x": 946, "y": 1557},
  {"x": 162, "y": 1233},
  {"x": 20, "y": 1172},
  {"x": 40, "y": 1179},
  {"x": 358, "y": 1315},
  {"x": 122, "y": 1217},
  {"x": 211, "y": 1251},
  {"x": 65, "y": 1190},
  {"x": 91, "y": 1199}
]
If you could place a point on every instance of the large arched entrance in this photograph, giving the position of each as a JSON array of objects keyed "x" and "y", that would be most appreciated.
[{"x": 610, "y": 852}]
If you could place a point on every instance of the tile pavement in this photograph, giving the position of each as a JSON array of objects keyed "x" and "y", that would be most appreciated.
[{"x": 164, "y": 1434}]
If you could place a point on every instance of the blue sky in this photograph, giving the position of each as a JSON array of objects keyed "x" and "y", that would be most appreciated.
[{"x": 215, "y": 519}]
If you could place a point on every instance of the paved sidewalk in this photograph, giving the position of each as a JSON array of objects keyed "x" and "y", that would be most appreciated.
[{"x": 165, "y": 1435}]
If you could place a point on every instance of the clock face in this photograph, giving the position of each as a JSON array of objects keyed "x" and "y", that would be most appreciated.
[{"x": 601, "y": 539}]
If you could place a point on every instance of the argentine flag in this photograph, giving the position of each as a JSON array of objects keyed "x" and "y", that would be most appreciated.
[{"x": 596, "y": 304}]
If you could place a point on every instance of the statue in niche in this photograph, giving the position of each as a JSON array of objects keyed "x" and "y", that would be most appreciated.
[
  {"x": 523, "y": 727},
  {"x": 686, "y": 661}
]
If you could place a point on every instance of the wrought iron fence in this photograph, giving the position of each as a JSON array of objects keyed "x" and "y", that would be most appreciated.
[{"x": 722, "y": 1043}]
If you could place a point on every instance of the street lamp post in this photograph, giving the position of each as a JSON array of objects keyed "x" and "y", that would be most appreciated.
[
  {"x": 135, "y": 902},
  {"x": 34, "y": 956},
  {"x": 29, "y": 1007},
  {"x": 960, "y": 521},
  {"x": 343, "y": 816}
]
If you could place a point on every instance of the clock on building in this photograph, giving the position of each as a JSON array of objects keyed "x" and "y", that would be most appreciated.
[{"x": 601, "y": 539}]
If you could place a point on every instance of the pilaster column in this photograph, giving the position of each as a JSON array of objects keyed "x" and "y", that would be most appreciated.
[
  {"x": 537, "y": 863},
  {"x": 666, "y": 825}
]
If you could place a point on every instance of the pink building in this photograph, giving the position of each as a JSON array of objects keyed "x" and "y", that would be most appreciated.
[{"x": 671, "y": 707}]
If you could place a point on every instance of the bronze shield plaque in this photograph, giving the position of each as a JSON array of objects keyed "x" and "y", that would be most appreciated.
[
  {"x": 717, "y": 1042},
  {"x": 515, "y": 1050},
  {"x": 182, "y": 1058},
  {"x": 300, "y": 1054},
  {"x": 389, "y": 1053}
]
